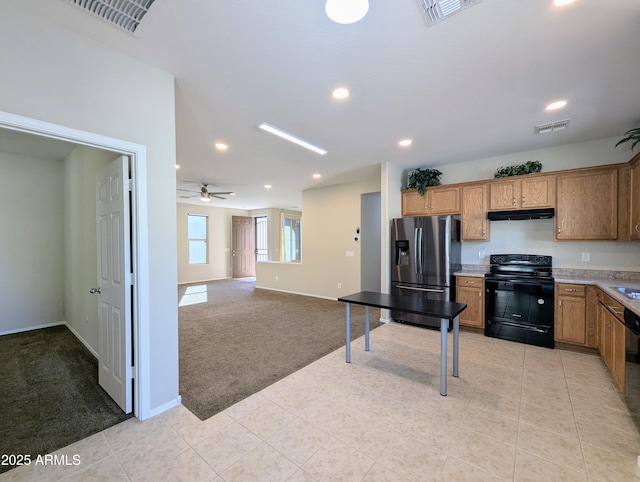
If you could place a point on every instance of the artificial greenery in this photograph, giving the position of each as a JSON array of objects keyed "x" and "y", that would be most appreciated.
[
  {"x": 528, "y": 167},
  {"x": 630, "y": 135},
  {"x": 421, "y": 178}
]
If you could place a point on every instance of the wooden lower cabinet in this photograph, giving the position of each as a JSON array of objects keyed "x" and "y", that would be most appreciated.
[
  {"x": 612, "y": 337},
  {"x": 571, "y": 313},
  {"x": 470, "y": 290}
]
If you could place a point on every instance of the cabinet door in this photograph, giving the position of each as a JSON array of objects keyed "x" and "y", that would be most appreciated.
[
  {"x": 635, "y": 200},
  {"x": 444, "y": 200},
  {"x": 587, "y": 205},
  {"x": 538, "y": 192},
  {"x": 618, "y": 353},
  {"x": 413, "y": 204},
  {"x": 475, "y": 225},
  {"x": 470, "y": 290},
  {"x": 504, "y": 195},
  {"x": 571, "y": 320}
]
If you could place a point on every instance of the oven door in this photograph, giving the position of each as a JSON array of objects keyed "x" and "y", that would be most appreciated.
[{"x": 520, "y": 310}]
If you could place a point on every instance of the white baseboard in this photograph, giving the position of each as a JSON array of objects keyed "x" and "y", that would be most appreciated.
[
  {"x": 82, "y": 340},
  {"x": 31, "y": 328},
  {"x": 164, "y": 407},
  {"x": 298, "y": 293},
  {"x": 180, "y": 283}
]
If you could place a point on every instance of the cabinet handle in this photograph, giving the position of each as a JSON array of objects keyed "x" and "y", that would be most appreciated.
[
  {"x": 559, "y": 303},
  {"x": 558, "y": 230},
  {"x": 523, "y": 200},
  {"x": 613, "y": 310},
  {"x": 470, "y": 282},
  {"x": 479, "y": 294},
  {"x": 570, "y": 290},
  {"x": 514, "y": 201}
]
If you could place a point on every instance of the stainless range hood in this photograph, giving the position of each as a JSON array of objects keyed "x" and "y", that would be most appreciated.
[{"x": 547, "y": 213}]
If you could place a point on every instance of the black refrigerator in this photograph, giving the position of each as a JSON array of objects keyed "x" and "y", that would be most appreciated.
[{"x": 425, "y": 253}]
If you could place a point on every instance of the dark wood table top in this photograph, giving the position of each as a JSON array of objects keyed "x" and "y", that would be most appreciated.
[{"x": 410, "y": 304}]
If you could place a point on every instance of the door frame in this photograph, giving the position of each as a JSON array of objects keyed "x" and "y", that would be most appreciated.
[{"x": 137, "y": 154}]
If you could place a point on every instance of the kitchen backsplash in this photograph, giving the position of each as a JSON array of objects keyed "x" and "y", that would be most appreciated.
[{"x": 568, "y": 273}]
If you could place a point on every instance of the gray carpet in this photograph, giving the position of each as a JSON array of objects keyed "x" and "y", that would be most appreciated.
[
  {"x": 242, "y": 339},
  {"x": 50, "y": 396}
]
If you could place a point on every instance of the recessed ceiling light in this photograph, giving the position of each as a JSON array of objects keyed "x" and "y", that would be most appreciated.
[
  {"x": 559, "y": 104},
  {"x": 405, "y": 142},
  {"x": 221, "y": 146},
  {"x": 317, "y": 176},
  {"x": 346, "y": 11},
  {"x": 291, "y": 138},
  {"x": 340, "y": 93},
  {"x": 562, "y": 3},
  {"x": 267, "y": 186},
  {"x": 177, "y": 166}
]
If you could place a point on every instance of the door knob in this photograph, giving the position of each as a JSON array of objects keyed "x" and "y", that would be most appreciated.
[{"x": 95, "y": 290}]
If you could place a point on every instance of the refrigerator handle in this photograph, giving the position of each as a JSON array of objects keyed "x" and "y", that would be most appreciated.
[
  {"x": 416, "y": 250},
  {"x": 420, "y": 249}
]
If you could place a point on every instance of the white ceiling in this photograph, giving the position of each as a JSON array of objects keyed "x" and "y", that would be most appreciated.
[{"x": 470, "y": 87}]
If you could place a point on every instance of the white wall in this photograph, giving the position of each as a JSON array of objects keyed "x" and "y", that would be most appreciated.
[
  {"x": 536, "y": 236},
  {"x": 220, "y": 235},
  {"x": 53, "y": 75},
  {"x": 80, "y": 248},
  {"x": 31, "y": 243},
  {"x": 330, "y": 216}
]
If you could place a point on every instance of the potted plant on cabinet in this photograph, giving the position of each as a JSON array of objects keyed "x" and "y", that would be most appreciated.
[
  {"x": 632, "y": 135},
  {"x": 420, "y": 179}
]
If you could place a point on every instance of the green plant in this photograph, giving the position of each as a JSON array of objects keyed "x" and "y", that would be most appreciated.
[
  {"x": 421, "y": 178},
  {"x": 630, "y": 135},
  {"x": 528, "y": 167}
]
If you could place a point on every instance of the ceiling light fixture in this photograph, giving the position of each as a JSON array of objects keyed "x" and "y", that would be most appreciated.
[
  {"x": 267, "y": 186},
  {"x": 221, "y": 146},
  {"x": 346, "y": 11},
  {"x": 204, "y": 197},
  {"x": 340, "y": 93},
  {"x": 562, "y": 3},
  {"x": 405, "y": 142},
  {"x": 177, "y": 166},
  {"x": 317, "y": 176},
  {"x": 559, "y": 104},
  {"x": 291, "y": 138}
]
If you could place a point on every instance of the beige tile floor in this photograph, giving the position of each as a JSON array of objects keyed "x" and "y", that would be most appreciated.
[{"x": 516, "y": 412}]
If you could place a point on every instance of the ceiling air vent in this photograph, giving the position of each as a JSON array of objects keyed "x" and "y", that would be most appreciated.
[
  {"x": 125, "y": 14},
  {"x": 552, "y": 127},
  {"x": 438, "y": 10}
]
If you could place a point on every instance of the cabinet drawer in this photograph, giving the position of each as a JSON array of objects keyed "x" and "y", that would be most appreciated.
[
  {"x": 613, "y": 306},
  {"x": 569, "y": 289},
  {"x": 470, "y": 281}
]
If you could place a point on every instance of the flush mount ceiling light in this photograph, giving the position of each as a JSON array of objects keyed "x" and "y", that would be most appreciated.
[
  {"x": 405, "y": 142},
  {"x": 438, "y": 10},
  {"x": 291, "y": 138},
  {"x": 559, "y": 104},
  {"x": 317, "y": 176},
  {"x": 340, "y": 93},
  {"x": 562, "y": 3},
  {"x": 346, "y": 11},
  {"x": 221, "y": 146}
]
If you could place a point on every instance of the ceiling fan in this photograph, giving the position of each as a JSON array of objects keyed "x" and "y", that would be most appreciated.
[{"x": 205, "y": 194}]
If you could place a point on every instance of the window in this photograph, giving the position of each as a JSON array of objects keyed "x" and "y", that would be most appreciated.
[
  {"x": 262, "y": 246},
  {"x": 197, "y": 234},
  {"x": 291, "y": 239}
]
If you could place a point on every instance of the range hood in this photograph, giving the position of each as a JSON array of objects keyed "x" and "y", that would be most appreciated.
[{"x": 521, "y": 214}]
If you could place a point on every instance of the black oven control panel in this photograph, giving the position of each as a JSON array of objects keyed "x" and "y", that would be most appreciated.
[{"x": 520, "y": 259}]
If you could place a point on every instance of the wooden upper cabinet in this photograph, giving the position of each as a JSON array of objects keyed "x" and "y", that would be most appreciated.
[
  {"x": 634, "y": 198},
  {"x": 587, "y": 204},
  {"x": 522, "y": 193},
  {"x": 437, "y": 200},
  {"x": 475, "y": 225}
]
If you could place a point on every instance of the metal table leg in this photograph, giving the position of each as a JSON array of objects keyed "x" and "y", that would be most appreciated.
[
  {"x": 348, "y": 332},
  {"x": 444, "y": 325},
  {"x": 456, "y": 342},
  {"x": 366, "y": 327}
]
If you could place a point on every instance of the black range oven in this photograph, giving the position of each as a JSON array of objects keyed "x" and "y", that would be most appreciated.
[{"x": 519, "y": 299}]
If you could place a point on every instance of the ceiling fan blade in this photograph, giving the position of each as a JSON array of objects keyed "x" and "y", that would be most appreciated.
[
  {"x": 214, "y": 195},
  {"x": 226, "y": 192},
  {"x": 185, "y": 190}
]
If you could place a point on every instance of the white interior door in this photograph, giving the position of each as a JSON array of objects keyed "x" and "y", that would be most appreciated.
[{"x": 114, "y": 282}]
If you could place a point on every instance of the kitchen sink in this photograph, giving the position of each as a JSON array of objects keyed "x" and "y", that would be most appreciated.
[{"x": 634, "y": 294}]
